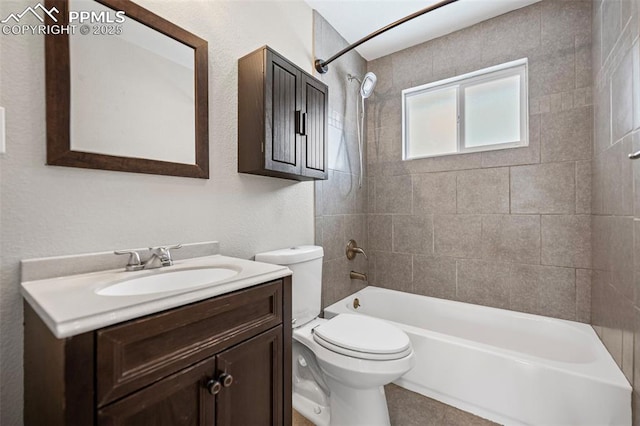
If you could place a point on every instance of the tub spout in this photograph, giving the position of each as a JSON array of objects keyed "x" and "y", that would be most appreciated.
[{"x": 358, "y": 276}]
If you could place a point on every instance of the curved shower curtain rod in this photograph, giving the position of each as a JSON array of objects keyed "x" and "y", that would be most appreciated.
[{"x": 322, "y": 65}]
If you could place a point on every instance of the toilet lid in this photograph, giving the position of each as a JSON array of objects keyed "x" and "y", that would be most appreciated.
[{"x": 361, "y": 336}]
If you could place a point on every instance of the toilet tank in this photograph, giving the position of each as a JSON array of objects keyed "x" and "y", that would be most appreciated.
[{"x": 306, "y": 264}]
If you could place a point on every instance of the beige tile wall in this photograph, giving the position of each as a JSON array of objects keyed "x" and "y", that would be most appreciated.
[
  {"x": 340, "y": 203},
  {"x": 508, "y": 228},
  {"x": 551, "y": 229},
  {"x": 615, "y": 298}
]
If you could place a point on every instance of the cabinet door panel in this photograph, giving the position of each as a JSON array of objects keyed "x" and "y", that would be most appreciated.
[
  {"x": 181, "y": 399},
  {"x": 256, "y": 395},
  {"x": 284, "y": 106},
  {"x": 316, "y": 130},
  {"x": 282, "y": 100}
]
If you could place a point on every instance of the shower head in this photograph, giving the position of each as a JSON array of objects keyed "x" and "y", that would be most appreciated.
[{"x": 368, "y": 84}]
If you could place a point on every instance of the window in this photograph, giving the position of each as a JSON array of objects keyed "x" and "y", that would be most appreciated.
[{"x": 480, "y": 111}]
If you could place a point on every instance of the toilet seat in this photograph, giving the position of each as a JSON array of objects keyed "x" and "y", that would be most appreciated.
[
  {"x": 356, "y": 371},
  {"x": 362, "y": 337}
]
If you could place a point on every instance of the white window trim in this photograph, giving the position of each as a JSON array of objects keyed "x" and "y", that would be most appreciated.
[{"x": 469, "y": 79}]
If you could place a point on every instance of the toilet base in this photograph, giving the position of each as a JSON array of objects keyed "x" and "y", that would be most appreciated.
[
  {"x": 317, "y": 414},
  {"x": 357, "y": 407},
  {"x": 349, "y": 407}
]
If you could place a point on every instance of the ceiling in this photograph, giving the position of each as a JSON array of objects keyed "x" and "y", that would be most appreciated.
[{"x": 355, "y": 19}]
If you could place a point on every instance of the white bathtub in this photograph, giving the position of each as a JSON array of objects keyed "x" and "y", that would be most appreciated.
[{"x": 508, "y": 367}]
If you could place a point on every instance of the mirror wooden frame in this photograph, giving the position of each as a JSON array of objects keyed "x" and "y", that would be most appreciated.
[{"x": 58, "y": 99}]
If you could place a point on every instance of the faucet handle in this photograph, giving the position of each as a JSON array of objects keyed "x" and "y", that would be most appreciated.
[
  {"x": 353, "y": 249},
  {"x": 165, "y": 251},
  {"x": 134, "y": 263},
  {"x": 168, "y": 250}
]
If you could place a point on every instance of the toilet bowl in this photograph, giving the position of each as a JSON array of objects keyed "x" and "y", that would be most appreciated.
[
  {"x": 356, "y": 381},
  {"x": 340, "y": 365}
]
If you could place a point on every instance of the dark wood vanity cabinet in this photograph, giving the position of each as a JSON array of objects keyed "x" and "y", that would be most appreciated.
[
  {"x": 222, "y": 361},
  {"x": 282, "y": 118}
]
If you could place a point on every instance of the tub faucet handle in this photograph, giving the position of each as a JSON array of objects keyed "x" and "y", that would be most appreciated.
[{"x": 353, "y": 249}]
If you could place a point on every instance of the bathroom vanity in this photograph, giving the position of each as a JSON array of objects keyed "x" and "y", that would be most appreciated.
[{"x": 220, "y": 360}]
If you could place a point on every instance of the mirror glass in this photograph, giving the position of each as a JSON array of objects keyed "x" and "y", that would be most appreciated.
[
  {"x": 128, "y": 93},
  {"x": 143, "y": 104}
]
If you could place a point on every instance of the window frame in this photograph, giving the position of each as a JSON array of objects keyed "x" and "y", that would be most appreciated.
[{"x": 518, "y": 67}]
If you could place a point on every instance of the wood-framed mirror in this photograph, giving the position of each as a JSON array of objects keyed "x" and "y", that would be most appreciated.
[{"x": 126, "y": 92}]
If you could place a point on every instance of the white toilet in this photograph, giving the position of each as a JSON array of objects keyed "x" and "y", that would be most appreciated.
[{"x": 340, "y": 365}]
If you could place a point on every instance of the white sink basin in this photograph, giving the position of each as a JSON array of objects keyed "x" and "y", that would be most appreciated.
[{"x": 168, "y": 281}]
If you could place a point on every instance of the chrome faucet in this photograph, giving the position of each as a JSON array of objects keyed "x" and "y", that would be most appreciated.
[
  {"x": 353, "y": 249},
  {"x": 160, "y": 257}
]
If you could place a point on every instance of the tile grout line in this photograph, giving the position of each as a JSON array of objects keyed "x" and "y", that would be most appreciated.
[
  {"x": 575, "y": 286},
  {"x": 575, "y": 62},
  {"x": 433, "y": 234},
  {"x": 540, "y": 231},
  {"x": 456, "y": 290},
  {"x": 509, "y": 191},
  {"x": 575, "y": 189}
]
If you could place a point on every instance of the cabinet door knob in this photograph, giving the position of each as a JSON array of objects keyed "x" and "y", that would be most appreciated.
[
  {"x": 214, "y": 386},
  {"x": 226, "y": 379}
]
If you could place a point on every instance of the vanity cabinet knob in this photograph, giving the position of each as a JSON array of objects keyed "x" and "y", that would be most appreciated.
[
  {"x": 226, "y": 379},
  {"x": 214, "y": 386}
]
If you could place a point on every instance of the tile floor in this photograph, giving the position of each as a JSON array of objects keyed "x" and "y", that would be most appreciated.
[{"x": 407, "y": 408}]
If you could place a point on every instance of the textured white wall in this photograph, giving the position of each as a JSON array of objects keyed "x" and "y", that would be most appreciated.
[{"x": 48, "y": 210}]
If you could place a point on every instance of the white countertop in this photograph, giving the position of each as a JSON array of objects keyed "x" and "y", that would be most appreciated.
[{"x": 70, "y": 306}]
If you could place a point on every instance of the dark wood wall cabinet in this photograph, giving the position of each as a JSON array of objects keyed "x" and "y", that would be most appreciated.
[
  {"x": 222, "y": 361},
  {"x": 282, "y": 118}
]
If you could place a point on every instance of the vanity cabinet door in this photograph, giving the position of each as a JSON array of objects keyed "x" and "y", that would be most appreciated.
[
  {"x": 181, "y": 399},
  {"x": 255, "y": 397}
]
